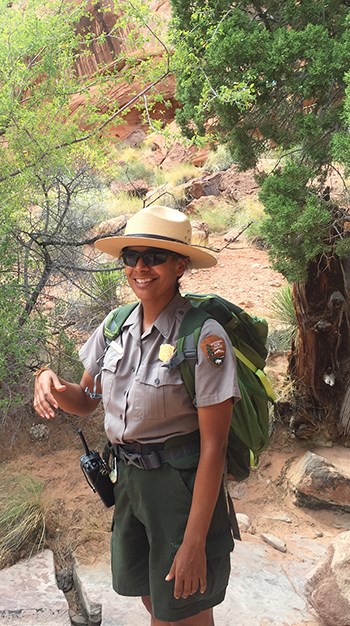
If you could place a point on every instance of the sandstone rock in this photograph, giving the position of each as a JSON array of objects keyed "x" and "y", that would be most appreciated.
[
  {"x": 236, "y": 490},
  {"x": 282, "y": 518},
  {"x": 274, "y": 542},
  {"x": 317, "y": 483},
  {"x": 196, "y": 205},
  {"x": 244, "y": 522},
  {"x": 207, "y": 186},
  {"x": 328, "y": 586},
  {"x": 236, "y": 185},
  {"x": 112, "y": 226}
]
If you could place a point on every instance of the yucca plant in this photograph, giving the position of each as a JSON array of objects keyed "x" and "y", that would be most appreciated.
[
  {"x": 283, "y": 312},
  {"x": 22, "y": 518},
  {"x": 106, "y": 290}
]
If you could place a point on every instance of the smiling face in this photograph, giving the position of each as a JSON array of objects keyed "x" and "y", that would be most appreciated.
[{"x": 155, "y": 284}]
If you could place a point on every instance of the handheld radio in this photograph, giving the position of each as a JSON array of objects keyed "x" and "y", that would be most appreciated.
[{"x": 96, "y": 472}]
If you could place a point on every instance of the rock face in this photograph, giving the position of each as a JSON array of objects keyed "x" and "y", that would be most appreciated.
[
  {"x": 317, "y": 483},
  {"x": 328, "y": 586},
  {"x": 112, "y": 55}
]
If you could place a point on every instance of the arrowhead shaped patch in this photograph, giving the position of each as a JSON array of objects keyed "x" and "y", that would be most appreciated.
[{"x": 214, "y": 348}]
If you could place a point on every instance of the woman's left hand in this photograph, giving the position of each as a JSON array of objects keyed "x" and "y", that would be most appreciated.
[{"x": 189, "y": 569}]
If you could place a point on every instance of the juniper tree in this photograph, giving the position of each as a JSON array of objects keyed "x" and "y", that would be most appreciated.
[{"x": 275, "y": 75}]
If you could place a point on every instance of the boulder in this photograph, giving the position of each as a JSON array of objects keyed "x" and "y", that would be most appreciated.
[
  {"x": 317, "y": 483},
  {"x": 109, "y": 227},
  {"x": 196, "y": 206},
  {"x": 327, "y": 587},
  {"x": 274, "y": 542},
  {"x": 206, "y": 186}
]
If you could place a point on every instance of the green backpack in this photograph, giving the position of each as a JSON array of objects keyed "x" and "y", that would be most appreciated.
[{"x": 250, "y": 424}]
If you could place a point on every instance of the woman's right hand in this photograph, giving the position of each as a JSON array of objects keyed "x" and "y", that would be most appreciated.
[{"x": 47, "y": 384}]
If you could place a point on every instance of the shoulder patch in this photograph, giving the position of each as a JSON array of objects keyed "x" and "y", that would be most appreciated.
[{"x": 214, "y": 348}]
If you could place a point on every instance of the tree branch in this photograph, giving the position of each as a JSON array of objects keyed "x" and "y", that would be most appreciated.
[{"x": 94, "y": 132}]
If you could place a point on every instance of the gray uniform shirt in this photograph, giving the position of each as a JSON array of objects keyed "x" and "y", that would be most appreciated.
[{"x": 144, "y": 400}]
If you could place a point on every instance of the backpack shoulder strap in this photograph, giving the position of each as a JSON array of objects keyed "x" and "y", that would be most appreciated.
[
  {"x": 186, "y": 346},
  {"x": 115, "y": 321}
]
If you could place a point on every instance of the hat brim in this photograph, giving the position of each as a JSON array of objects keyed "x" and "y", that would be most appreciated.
[{"x": 199, "y": 258}]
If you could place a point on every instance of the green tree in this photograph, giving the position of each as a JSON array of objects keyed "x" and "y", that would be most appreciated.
[
  {"x": 59, "y": 65},
  {"x": 274, "y": 75}
]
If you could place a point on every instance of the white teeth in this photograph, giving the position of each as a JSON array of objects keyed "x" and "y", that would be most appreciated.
[{"x": 143, "y": 281}]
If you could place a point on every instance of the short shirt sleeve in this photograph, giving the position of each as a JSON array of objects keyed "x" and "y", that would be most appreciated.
[
  {"x": 92, "y": 351},
  {"x": 216, "y": 369}
]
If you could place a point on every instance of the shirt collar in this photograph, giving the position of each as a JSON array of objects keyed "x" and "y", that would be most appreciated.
[{"x": 175, "y": 310}]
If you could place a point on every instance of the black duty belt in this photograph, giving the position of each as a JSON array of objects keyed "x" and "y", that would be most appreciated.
[{"x": 152, "y": 455}]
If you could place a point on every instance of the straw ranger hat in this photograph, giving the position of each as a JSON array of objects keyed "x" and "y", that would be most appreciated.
[{"x": 159, "y": 227}]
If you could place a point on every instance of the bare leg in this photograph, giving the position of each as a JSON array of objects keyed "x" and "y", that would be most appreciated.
[{"x": 205, "y": 618}]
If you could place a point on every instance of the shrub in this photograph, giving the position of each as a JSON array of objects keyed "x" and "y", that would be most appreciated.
[
  {"x": 106, "y": 290},
  {"x": 22, "y": 518},
  {"x": 218, "y": 159}
]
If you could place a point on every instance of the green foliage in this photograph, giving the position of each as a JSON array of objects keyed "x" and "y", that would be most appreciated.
[
  {"x": 106, "y": 291},
  {"x": 22, "y": 518},
  {"x": 218, "y": 159},
  {"x": 270, "y": 74},
  {"x": 54, "y": 106},
  {"x": 297, "y": 224},
  {"x": 254, "y": 77},
  {"x": 218, "y": 215},
  {"x": 342, "y": 248},
  {"x": 283, "y": 311},
  {"x": 62, "y": 353},
  {"x": 182, "y": 173},
  {"x": 131, "y": 166},
  {"x": 19, "y": 347}
]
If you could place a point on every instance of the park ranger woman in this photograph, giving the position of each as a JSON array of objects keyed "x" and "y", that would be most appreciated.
[{"x": 171, "y": 538}]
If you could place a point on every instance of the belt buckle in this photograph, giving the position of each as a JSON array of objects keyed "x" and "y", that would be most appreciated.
[{"x": 132, "y": 458}]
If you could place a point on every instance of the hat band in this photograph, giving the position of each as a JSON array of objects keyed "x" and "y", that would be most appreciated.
[{"x": 161, "y": 237}]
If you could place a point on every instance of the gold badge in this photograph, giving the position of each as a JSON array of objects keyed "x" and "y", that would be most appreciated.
[
  {"x": 214, "y": 349},
  {"x": 166, "y": 351}
]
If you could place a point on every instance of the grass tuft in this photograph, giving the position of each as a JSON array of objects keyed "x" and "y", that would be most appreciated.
[{"x": 22, "y": 519}]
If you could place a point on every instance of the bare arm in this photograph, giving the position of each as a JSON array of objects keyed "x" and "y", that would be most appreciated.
[
  {"x": 189, "y": 565},
  {"x": 52, "y": 392}
]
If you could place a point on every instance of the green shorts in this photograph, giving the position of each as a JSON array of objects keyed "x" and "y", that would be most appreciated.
[{"x": 151, "y": 512}]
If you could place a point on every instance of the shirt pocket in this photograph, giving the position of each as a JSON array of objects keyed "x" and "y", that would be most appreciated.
[
  {"x": 157, "y": 392},
  {"x": 108, "y": 374}
]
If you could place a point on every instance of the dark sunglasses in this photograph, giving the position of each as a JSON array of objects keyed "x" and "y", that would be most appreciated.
[{"x": 154, "y": 256}]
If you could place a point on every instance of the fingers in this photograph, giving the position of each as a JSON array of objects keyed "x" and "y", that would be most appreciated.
[
  {"x": 184, "y": 586},
  {"x": 45, "y": 403}
]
